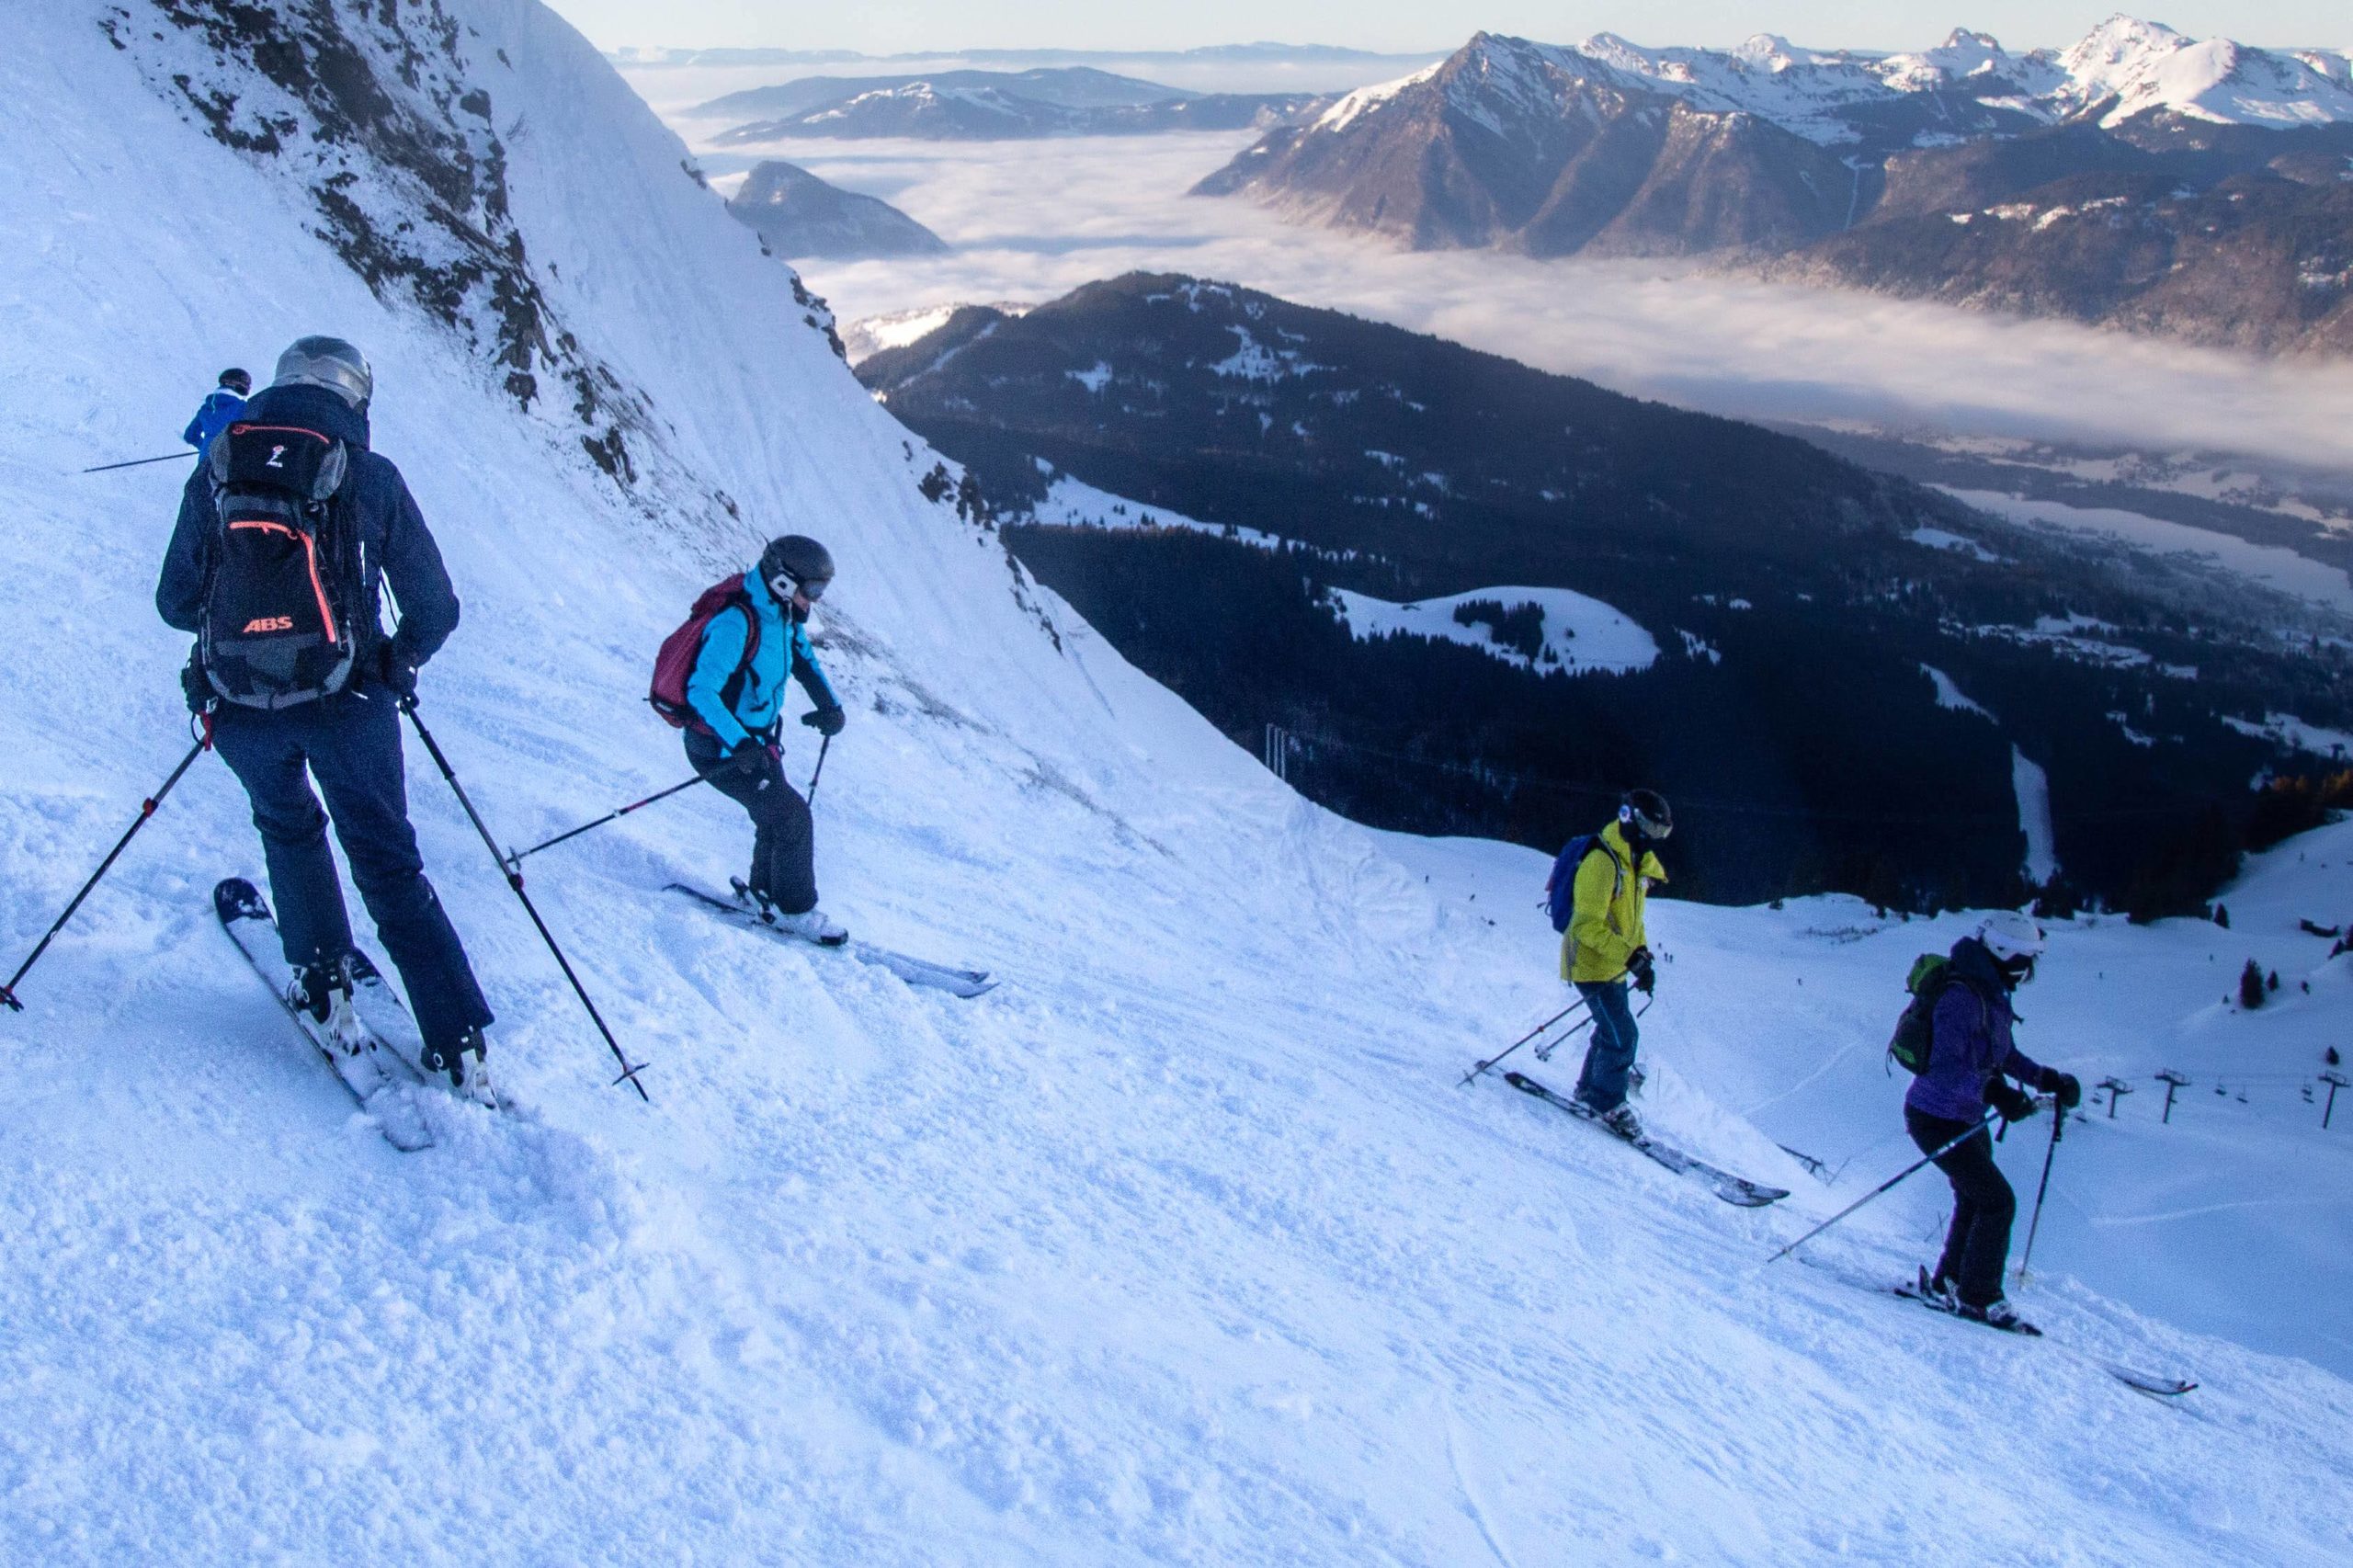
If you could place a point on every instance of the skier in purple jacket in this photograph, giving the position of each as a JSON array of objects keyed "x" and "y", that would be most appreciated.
[{"x": 1972, "y": 1061}]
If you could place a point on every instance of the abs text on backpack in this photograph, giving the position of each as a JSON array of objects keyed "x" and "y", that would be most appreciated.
[
  {"x": 277, "y": 626},
  {"x": 1915, "y": 1031},
  {"x": 1561, "y": 892},
  {"x": 676, "y": 662}
]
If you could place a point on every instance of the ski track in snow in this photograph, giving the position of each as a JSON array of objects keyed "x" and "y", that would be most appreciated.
[{"x": 1180, "y": 1247}]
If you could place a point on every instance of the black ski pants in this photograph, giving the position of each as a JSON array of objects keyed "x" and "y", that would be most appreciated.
[
  {"x": 1977, "y": 1246},
  {"x": 784, "y": 841},
  {"x": 350, "y": 743}
]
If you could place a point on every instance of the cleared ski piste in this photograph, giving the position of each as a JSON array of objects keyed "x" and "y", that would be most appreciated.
[{"x": 1181, "y": 1246}]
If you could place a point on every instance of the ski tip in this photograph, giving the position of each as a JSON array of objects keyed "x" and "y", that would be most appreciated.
[{"x": 234, "y": 898}]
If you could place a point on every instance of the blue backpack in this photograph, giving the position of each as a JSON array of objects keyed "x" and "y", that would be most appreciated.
[{"x": 1561, "y": 892}]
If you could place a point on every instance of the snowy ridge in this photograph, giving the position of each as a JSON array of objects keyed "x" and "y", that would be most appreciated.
[
  {"x": 1179, "y": 1247},
  {"x": 2121, "y": 69}
]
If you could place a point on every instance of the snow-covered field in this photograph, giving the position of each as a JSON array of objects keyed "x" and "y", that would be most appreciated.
[
  {"x": 1580, "y": 634},
  {"x": 1182, "y": 1247}
]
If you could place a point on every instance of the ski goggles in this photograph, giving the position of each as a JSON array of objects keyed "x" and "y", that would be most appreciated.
[{"x": 784, "y": 586}]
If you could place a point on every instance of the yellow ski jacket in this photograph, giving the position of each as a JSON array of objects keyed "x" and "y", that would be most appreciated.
[{"x": 1607, "y": 926}]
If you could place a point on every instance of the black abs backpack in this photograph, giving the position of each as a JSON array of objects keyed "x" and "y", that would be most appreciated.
[{"x": 278, "y": 627}]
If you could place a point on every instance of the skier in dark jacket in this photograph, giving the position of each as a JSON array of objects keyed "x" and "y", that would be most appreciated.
[
  {"x": 738, "y": 704},
  {"x": 349, "y": 740},
  {"x": 221, "y": 406},
  {"x": 1972, "y": 1060}
]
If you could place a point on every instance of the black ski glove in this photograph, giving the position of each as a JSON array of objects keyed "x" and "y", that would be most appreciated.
[
  {"x": 194, "y": 685},
  {"x": 396, "y": 670},
  {"x": 1644, "y": 970},
  {"x": 2011, "y": 1102},
  {"x": 2067, "y": 1085},
  {"x": 827, "y": 722},
  {"x": 748, "y": 760}
]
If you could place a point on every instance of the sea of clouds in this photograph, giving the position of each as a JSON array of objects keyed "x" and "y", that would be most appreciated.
[{"x": 1030, "y": 220}]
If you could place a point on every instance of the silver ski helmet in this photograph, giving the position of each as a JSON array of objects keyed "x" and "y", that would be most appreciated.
[
  {"x": 1645, "y": 813},
  {"x": 2015, "y": 941},
  {"x": 796, "y": 561},
  {"x": 328, "y": 362}
]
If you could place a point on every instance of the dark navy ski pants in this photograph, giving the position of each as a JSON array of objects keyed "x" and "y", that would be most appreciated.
[
  {"x": 351, "y": 743},
  {"x": 1610, "y": 1058},
  {"x": 1977, "y": 1247},
  {"x": 784, "y": 838}
]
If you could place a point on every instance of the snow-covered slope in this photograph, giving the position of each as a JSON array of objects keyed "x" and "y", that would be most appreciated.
[{"x": 1180, "y": 1247}]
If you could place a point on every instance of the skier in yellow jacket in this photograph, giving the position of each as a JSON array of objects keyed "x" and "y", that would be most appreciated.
[{"x": 1605, "y": 947}]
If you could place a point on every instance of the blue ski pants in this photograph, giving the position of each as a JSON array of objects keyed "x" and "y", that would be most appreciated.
[
  {"x": 1611, "y": 1057},
  {"x": 350, "y": 743}
]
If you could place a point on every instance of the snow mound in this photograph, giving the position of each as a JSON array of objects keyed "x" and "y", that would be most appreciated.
[{"x": 1573, "y": 632}]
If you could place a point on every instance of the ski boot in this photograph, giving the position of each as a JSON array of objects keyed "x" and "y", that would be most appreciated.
[
  {"x": 322, "y": 991},
  {"x": 811, "y": 925},
  {"x": 466, "y": 1065}
]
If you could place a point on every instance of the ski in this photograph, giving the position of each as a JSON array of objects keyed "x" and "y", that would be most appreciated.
[
  {"x": 2146, "y": 1382},
  {"x": 1732, "y": 1189},
  {"x": 964, "y": 982},
  {"x": 378, "y": 1079}
]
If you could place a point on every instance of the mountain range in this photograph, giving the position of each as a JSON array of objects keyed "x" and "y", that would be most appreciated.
[
  {"x": 983, "y": 106},
  {"x": 1230, "y": 486},
  {"x": 797, "y": 214},
  {"x": 2138, "y": 177}
]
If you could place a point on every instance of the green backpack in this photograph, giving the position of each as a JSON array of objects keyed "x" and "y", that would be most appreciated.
[{"x": 1915, "y": 1031}]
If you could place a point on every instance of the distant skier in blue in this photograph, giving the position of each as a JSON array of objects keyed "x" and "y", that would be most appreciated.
[{"x": 220, "y": 409}]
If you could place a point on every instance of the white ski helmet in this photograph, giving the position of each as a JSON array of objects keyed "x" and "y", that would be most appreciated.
[{"x": 2011, "y": 938}]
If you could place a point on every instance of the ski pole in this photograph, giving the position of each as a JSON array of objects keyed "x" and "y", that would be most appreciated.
[
  {"x": 515, "y": 880},
  {"x": 822, "y": 747},
  {"x": 515, "y": 857},
  {"x": 146, "y": 809},
  {"x": 1480, "y": 1067},
  {"x": 1874, "y": 1192},
  {"x": 140, "y": 462},
  {"x": 2058, "y": 1126},
  {"x": 1544, "y": 1052}
]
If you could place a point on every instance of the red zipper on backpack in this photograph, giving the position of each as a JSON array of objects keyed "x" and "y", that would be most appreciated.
[{"x": 309, "y": 559}]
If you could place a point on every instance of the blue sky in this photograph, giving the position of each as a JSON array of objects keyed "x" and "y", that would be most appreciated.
[{"x": 887, "y": 25}]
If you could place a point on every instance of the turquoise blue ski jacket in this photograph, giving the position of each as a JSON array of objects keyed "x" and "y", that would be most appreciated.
[{"x": 759, "y": 702}]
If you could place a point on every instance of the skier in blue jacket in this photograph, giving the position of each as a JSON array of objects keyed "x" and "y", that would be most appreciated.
[
  {"x": 220, "y": 409},
  {"x": 1972, "y": 1058},
  {"x": 739, "y": 703}
]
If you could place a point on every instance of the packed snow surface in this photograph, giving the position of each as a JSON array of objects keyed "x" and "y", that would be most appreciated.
[
  {"x": 1580, "y": 634},
  {"x": 1181, "y": 1246}
]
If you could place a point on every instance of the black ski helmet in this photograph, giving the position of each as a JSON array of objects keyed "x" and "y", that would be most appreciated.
[
  {"x": 796, "y": 561},
  {"x": 328, "y": 362},
  {"x": 1646, "y": 812},
  {"x": 237, "y": 381}
]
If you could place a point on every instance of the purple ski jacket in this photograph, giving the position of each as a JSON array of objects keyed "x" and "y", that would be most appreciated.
[{"x": 1973, "y": 1039}]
